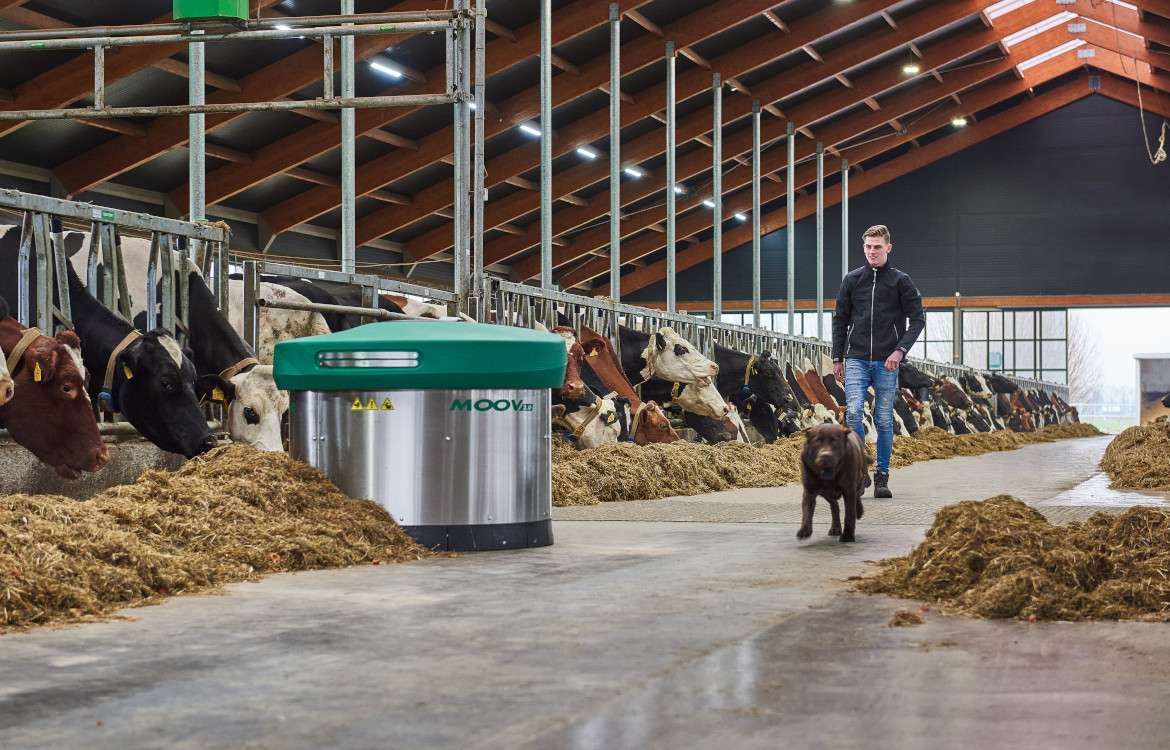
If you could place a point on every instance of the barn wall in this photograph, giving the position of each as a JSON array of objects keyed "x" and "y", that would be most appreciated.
[{"x": 1065, "y": 204}]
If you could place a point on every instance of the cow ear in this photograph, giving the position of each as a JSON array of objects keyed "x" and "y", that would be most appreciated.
[
  {"x": 44, "y": 363},
  {"x": 558, "y": 411},
  {"x": 216, "y": 389},
  {"x": 660, "y": 341}
]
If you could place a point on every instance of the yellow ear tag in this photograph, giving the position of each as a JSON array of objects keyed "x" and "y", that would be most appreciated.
[
  {"x": 217, "y": 394},
  {"x": 610, "y": 418},
  {"x": 37, "y": 372},
  {"x": 126, "y": 369},
  {"x": 594, "y": 352}
]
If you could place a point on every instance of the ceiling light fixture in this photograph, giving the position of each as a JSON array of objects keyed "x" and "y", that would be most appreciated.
[
  {"x": 709, "y": 204},
  {"x": 588, "y": 153},
  {"x": 679, "y": 189},
  {"x": 911, "y": 69},
  {"x": 386, "y": 69},
  {"x": 633, "y": 172},
  {"x": 530, "y": 129},
  {"x": 741, "y": 217},
  {"x": 959, "y": 121}
]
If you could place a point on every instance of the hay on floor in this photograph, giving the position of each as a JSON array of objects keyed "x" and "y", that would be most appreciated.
[
  {"x": 999, "y": 558},
  {"x": 624, "y": 471},
  {"x": 230, "y": 515},
  {"x": 1139, "y": 458}
]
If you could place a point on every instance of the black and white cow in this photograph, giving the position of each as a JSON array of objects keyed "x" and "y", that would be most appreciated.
[
  {"x": 759, "y": 374},
  {"x": 664, "y": 354},
  {"x": 153, "y": 383}
]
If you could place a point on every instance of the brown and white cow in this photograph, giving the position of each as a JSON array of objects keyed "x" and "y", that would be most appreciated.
[
  {"x": 7, "y": 388},
  {"x": 275, "y": 324},
  {"x": 51, "y": 414}
]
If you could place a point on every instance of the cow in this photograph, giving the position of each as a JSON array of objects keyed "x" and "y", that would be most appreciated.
[
  {"x": 794, "y": 385},
  {"x": 761, "y": 415},
  {"x": 903, "y": 410},
  {"x": 418, "y": 308},
  {"x": 736, "y": 422},
  {"x": 592, "y": 420},
  {"x": 664, "y": 354},
  {"x": 7, "y": 388},
  {"x": 702, "y": 400},
  {"x": 145, "y": 377},
  {"x": 51, "y": 415},
  {"x": 708, "y": 428},
  {"x": 758, "y": 373},
  {"x": 274, "y": 324}
]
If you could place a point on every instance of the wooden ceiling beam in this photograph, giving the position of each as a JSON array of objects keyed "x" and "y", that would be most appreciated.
[
  {"x": 691, "y": 83},
  {"x": 646, "y": 23},
  {"x": 73, "y": 80},
  {"x": 812, "y": 111},
  {"x": 879, "y": 175},
  {"x": 314, "y": 141},
  {"x": 1117, "y": 16},
  {"x": 838, "y": 133},
  {"x": 776, "y": 21},
  {"x": 116, "y": 125},
  {"x": 281, "y": 78}
]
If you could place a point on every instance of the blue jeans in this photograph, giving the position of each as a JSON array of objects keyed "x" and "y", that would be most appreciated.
[{"x": 859, "y": 375}]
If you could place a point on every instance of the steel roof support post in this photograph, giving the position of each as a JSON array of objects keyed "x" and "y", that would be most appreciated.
[
  {"x": 615, "y": 153},
  {"x": 717, "y": 196},
  {"x": 546, "y": 278},
  {"x": 459, "y": 54},
  {"x": 477, "y": 202},
  {"x": 844, "y": 217},
  {"x": 348, "y": 158},
  {"x": 756, "y": 213},
  {"x": 671, "y": 237},
  {"x": 99, "y": 76},
  {"x": 790, "y": 184},
  {"x": 197, "y": 135},
  {"x": 251, "y": 313},
  {"x": 820, "y": 241},
  {"x": 24, "y": 260}
]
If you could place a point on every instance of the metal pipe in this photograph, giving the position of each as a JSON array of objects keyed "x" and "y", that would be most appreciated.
[
  {"x": 85, "y": 213},
  {"x": 349, "y": 145},
  {"x": 461, "y": 51},
  {"x": 820, "y": 241},
  {"x": 24, "y": 260},
  {"x": 365, "y": 312},
  {"x": 477, "y": 204},
  {"x": 327, "y": 78},
  {"x": 41, "y": 242},
  {"x": 717, "y": 194},
  {"x": 251, "y": 311},
  {"x": 844, "y": 217},
  {"x": 361, "y": 102},
  {"x": 756, "y": 212},
  {"x": 615, "y": 156},
  {"x": 196, "y": 133},
  {"x": 411, "y": 28},
  {"x": 546, "y": 279},
  {"x": 105, "y": 32},
  {"x": 671, "y": 297},
  {"x": 99, "y": 76},
  {"x": 790, "y": 183}
]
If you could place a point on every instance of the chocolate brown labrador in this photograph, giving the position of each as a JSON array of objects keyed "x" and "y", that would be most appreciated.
[{"x": 832, "y": 465}]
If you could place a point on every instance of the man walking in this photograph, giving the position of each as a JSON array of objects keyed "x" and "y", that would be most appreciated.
[{"x": 878, "y": 318}]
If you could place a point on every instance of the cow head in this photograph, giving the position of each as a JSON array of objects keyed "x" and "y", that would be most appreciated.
[
  {"x": 52, "y": 417},
  {"x": 703, "y": 400},
  {"x": 652, "y": 426},
  {"x": 671, "y": 357},
  {"x": 596, "y": 418},
  {"x": 761, "y": 415},
  {"x": 155, "y": 389},
  {"x": 573, "y": 387},
  {"x": 254, "y": 407},
  {"x": 766, "y": 380}
]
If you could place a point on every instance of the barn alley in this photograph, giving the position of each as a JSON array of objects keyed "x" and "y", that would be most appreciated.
[{"x": 670, "y": 623}]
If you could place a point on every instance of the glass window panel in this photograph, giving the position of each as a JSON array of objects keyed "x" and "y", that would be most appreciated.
[
  {"x": 736, "y": 318},
  {"x": 940, "y": 351},
  {"x": 1009, "y": 357},
  {"x": 1024, "y": 324},
  {"x": 1023, "y": 355},
  {"x": 975, "y": 326},
  {"x": 1053, "y": 323},
  {"x": 995, "y": 325},
  {"x": 918, "y": 350},
  {"x": 1055, "y": 376},
  {"x": 975, "y": 354},
  {"x": 995, "y": 357},
  {"x": 1009, "y": 328},
  {"x": 1053, "y": 354},
  {"x": 939, "y": 326}
]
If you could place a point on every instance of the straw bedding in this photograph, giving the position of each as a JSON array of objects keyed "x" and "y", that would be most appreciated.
[
  {"x": 623, "y": 471},
  {"x": 1139, "y": 458},
  {"x": 230, "y": 515},
  {"x": 999, "y": 558}
]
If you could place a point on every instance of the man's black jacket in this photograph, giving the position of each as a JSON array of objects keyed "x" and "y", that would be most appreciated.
[{"x": 873, "y": 308}]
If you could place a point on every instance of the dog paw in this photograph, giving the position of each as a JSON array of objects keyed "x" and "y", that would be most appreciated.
[
  {"x": 803, "y": 533},
  {"x": 848, "y": 537},
  {"x": 834, "y": 531}
]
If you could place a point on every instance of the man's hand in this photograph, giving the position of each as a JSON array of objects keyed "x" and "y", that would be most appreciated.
[
  {"x": 893, "y": 360},
  {"x": 839, "y": 371}
]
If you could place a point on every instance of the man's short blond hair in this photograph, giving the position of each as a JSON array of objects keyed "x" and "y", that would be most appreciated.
[{"x": 877, "y": 230}]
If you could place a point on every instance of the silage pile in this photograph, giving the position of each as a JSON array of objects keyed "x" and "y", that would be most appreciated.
[
  {"x": 1139, "y": 458},
  {"x": 623, "y": 471},
  {"x": 230, "y": 515},
  {"x": 999, "y": 558}
]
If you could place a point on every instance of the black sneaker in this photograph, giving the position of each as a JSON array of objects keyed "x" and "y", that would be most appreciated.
[{"x": 881, "y": 481}]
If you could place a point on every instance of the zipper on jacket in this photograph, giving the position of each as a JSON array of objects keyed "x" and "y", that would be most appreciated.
[{"x": 872, "y": 295}]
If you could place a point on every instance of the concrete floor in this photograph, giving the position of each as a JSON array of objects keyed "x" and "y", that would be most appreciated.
[{"x": 699, "y": 622}]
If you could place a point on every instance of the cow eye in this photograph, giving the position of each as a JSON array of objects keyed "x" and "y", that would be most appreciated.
[
  {"x": 680, "y": 350},
  {"x": 166, "y": 385},
  {"x": 67, "y": 389},
  {"x": 250, "y": 415}
]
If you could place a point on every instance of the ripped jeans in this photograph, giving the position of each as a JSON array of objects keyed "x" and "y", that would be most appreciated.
[{"x": 859, "y": 375}]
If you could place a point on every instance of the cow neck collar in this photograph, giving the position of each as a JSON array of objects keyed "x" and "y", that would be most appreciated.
[
  {"x": 648, "y": 371},
  {"x": 593, "y": 412},
  {"x": 108, "y": 384},
  {"x": 674, "y": 393},
  {"x": 747, "y": 373},
  {"x": 26, "y": 339},
  {"x": 238, "y": 367}
]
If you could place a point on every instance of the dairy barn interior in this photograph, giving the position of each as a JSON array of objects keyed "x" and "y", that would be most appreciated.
[{"x": 439, "y": 374}]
